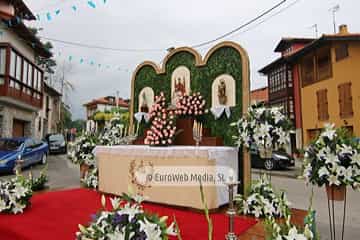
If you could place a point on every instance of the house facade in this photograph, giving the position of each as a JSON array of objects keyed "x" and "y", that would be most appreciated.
[
  {"x": 49, "y": 117},
  {"x": 259, "y": 96},
  {"x": 284, "y": 86},
  {"x": 329, "y": 70},
  {"x": 105, "y": 104},
  {"x": 21, "y": 79}
]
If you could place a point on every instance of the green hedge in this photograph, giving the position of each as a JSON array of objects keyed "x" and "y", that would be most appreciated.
[{"x": 225, "y": 60}]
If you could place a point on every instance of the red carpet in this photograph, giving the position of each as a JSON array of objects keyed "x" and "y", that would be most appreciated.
[{"x": 56, "y": 215}]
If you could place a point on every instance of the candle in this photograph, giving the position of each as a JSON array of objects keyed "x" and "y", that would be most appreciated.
[{"x": 231, "y": 175}]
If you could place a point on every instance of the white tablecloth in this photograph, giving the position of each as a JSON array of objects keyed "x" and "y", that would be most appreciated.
[{"x": 223, "y": 157}]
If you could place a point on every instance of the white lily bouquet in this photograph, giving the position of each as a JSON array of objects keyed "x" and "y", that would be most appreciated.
[
  {"x": 15, "y": 195},
  {"x": 91, "y": 178},
  {"x": 333, "y": 159},
  {"x": 264, "y": 128},
  {"x": 263, "y": 201},
  {"x": 128, "y": 220},
  {"x": 288, "y": 231},
  {"x": 114, "y": 133},
  {"x": 84, "y": 147}
]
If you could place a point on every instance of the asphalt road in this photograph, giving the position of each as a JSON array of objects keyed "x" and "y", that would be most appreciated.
[{"x": 63, "y": 174}]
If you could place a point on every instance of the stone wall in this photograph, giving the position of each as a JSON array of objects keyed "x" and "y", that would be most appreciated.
[{"x": 8, "y": 114}]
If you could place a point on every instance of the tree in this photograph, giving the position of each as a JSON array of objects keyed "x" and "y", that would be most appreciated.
[{"x": 48, "y": 63}]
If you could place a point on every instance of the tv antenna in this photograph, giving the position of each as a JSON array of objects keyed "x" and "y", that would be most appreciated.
[
  {"x": 334, "y": 10},
  {"x": 315, "y": 27}
]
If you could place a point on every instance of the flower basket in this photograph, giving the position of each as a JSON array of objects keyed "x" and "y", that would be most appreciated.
[
  {"x": 265, "y": 153},
  {"x": 336, "y": 193},
  {"x": 84, "y": 168}
]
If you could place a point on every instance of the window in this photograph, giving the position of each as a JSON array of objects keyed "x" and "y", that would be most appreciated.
[
  {"x": 2, "y": 60},
  {"x": 18, "y": 67},
  {"x": 277, "y": 79},
  {"x": 323, "y": 62},
  {"x": 322, "y": 105},
  {"x": 308, "y": 75},
  {"x": 341, "y": 52},
  {"x": 12, "y": 63},
  {"x": 345, "y": 100},
  {"x": 24, "y": 80}
]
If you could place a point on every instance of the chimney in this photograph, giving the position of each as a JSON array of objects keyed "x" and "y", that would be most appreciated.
[{"x": 343, "y": 29}]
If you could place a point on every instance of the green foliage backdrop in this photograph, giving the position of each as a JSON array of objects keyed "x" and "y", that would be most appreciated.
[{"x": 225, "y": 60}]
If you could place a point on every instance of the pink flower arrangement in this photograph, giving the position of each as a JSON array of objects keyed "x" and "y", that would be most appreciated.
[
  {"x": 162, "y": 130},
  {"x": 191, "y": 105}
]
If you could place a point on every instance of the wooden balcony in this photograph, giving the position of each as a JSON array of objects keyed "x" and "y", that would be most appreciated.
[{"x": 22, "y": 79}]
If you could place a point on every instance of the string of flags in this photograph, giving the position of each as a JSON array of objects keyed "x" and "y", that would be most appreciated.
[
  {"x": 50, "y": 15},
  {"x": 91, "y": 62}
]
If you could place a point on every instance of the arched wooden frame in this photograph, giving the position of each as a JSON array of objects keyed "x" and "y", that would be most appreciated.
[{"x": 199, "y": 61}]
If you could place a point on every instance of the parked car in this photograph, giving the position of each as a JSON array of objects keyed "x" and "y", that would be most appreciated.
[
  {"x": 57, "y": 143},
  {"x": 27, "y": 149},
  {"x": 279, "y": 160}
]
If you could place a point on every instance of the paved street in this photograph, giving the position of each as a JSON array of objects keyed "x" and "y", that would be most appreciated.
[{"x": 62, "y": 173}]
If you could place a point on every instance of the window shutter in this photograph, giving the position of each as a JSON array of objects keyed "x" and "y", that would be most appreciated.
[
  {"x": 322, "y": 105},
  {"x": 345, "y": 100}
]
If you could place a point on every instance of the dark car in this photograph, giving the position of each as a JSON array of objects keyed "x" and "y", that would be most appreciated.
[
  {"x": 57, "y": 143},
  {"x": 279, "y": 160},
  {"x": 27, "y": 149}
]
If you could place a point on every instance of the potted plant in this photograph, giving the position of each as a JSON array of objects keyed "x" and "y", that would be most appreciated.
[{"x": 333, "y": 160}]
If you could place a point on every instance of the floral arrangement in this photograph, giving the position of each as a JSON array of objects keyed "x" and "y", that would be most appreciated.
[
  {"x": 288, "y": 231},
  {"x": 91, "y": 178},
  {"x": 263, "y": 201},
  {"x": 15, "y": 195},
  {"x": 333, "y": 159},
  {"x": 38, "y": 183},
  {"x": 163, "y": 129},
  {"x": 113, "y": 133},
  {"x": 191, "y": 105},
  {"x": 83, "y": 150},
  {"x": 264, "y": 128},
  {"x": 127, "y": 220}
]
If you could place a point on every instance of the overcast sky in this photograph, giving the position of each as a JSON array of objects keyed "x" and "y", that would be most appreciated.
[{"x": 159, "y": 24}]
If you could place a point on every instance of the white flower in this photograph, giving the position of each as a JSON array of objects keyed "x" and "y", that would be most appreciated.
[
  {"x": 355, "y": 159},
  {"x": 294, "y": 235},
  {"x": 18, "y": 208},
  {"x": 341, "y": 171},
  {"x": 345, "y": 149},
  {"x": 332, "y": 158},
  {"x": 349, "y": 174},
  {"x": 334, "y": 180},
  {"x": 257, "y": 211},
  {"x": 308, "y": 233},
  {"x": 117, "y": 235},
  {"x": 115, "y": 203},
  {"x": 329, "y": 132},
  {"x": 152, "y": 230},
  {"x": 20, "y": 191},
  {"x": 323, "y": 172},
  {"x": 171, "y": 231},
  {"x": 130, "y": 211},
  {"x": 268, "y": 208},
  {"x": 246, "y": 209},
  {"x": 3, "y": 205}
]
